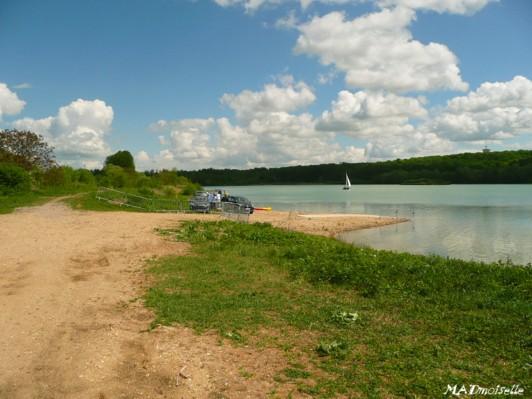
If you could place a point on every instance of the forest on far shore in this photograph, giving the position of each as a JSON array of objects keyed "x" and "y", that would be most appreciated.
[{"x": 509, "y": 167}]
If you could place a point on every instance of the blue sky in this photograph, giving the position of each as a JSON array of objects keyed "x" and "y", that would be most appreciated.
[{"x": 243, "y": 83}]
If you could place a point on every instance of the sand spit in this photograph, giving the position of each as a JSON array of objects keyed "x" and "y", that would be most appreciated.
[{"x": 322, "y": 224}]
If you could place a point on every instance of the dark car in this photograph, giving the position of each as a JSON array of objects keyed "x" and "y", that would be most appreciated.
[
  {"x": 242, "y": 202},
  {"x": 200, "y": 202}
]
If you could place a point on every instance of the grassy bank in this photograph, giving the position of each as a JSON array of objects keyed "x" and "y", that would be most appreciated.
[
  {"x": 351, "y": 321},
  {"x": 89, "y": 202},
  {"x": 116, "y": 201},
  {"x": 76, "y": 199},
  {"x": 8, "y": 203}
]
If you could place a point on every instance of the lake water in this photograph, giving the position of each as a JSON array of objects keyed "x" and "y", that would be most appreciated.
[{"x": 480, "y": 222}]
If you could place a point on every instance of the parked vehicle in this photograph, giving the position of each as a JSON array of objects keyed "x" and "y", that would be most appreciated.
[
  {"x": 200, "y": 202},
  {"x": 242, "y": 202}
]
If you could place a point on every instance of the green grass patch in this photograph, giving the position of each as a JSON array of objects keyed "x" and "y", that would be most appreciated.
[
  {"x": 9, "y": 203},
  {"x": 89, "y": 202},
  {"x": 294, "y": 373},
  {"x": 76, "y": 199},
  {"x": 360, "y": 322},
  {"x": 154, "y": 202}
]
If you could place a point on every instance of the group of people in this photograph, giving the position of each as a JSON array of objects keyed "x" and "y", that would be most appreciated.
[{"x": 216, "y": 198}]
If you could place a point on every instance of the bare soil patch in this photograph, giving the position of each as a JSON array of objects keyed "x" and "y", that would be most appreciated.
[{"x": 72, "y": 326}]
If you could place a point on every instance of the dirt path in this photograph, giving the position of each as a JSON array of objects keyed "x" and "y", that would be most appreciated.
[{"x": 71, "y": 327}]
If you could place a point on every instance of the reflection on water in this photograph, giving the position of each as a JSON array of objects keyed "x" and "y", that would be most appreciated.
[
  {"x": 467, "y": 232},
  {"x": 481, "y": 222}
]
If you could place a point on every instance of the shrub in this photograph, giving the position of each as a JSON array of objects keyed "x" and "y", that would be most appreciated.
[
  {"x": 84, "y": 176},
  {"x": 13, "y": 179},
  {"x": 169, "y": 191},
  {"x": 168, "y": 178},
  {"x": 190, "y": 188},
  {"x": 115, "y": 176},
  {"x": 147, "y": 192},
  {"x": 55, "y": 177},
  {"x": 124, "y": 159},
  {"x": 143, "y": 182}
]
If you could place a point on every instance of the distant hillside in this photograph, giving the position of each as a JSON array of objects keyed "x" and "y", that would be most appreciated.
[{"x": 467, "y": 168}]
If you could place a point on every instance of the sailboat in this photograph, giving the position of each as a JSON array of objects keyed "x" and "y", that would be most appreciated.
[{"x": 347, "y": 182}]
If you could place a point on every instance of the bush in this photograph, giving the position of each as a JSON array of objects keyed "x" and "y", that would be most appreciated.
[
  {"x": 169, "y": 192},
  {"x": 13, "y": 179},
  {"x": 84, "y": 176},
  {"x": 56, "y": 177},
  {"x": 124, "y": 159},
  {"x": 190, "y": 188},
  {"x": 168, "y": 178},
  {"x": 115, "y": 176},
  {"x": 143, "y": 182},
  {"x": 147, "y": 192}
]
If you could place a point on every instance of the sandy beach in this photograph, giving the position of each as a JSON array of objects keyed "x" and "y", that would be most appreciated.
[{"x": 322, "y": 224}]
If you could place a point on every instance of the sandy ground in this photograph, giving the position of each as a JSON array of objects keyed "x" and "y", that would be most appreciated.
[
  {"x": 71, "y": 324},
  {"x": 322, "y": 224}
]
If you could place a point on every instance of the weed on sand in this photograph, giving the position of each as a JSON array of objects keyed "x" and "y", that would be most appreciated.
[
  {"x": 352, "y": 321},
  {"x": 9, "y": 203}
]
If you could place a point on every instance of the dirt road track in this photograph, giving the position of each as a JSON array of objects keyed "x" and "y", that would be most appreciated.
[
  {"x": 70, "y": 330},
  {"x": 70, "y": 327}
]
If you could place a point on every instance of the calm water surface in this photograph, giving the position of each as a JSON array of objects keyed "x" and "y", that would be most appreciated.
[{"x": 481, "y": 222}]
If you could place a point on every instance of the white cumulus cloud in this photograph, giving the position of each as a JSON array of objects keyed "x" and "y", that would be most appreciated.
[
  {"x": 253, "y": 5},
  {"x": 277, "y": 139},
  {"x": 377, "y": 51},
  {"x": 77, "y": 131},
  {"x": 249, "y": 5},
  {"x": 384, "y": 125},
  {"x": 289, "y": 21},
  {"x": 418, "y": 143},
  {"x": 10, "y": 104},
  {"x": 466, "y": 7},
  {"x": 289, "y": 96},
  {"x": 268, "y": 133},
  {"x": 142, "y": 156},
  {"x": 24, "y": 85},
  {"x": 372, "y": 114},
  {"x": 494, "y": 111}
]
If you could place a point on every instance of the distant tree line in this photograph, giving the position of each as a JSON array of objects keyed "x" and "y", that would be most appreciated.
[{"x": 468, "y": 168}]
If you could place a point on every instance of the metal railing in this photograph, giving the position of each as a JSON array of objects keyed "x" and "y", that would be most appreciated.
[
  {"x": 121, "y": 198},
  {"x": 228, "y": 210},
  {"x": 236, "y": 212}
]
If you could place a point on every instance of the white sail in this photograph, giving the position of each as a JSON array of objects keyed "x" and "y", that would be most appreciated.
[{"x": 347, "y": 182}]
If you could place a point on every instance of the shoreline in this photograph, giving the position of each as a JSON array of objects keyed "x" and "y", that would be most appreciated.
[{"x": 329, "y": 225}]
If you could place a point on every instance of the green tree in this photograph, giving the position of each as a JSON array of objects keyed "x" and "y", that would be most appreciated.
[
  {"x": 26, "y": 149},
  {"x": 115, "y": 176},
  {"x": 124, "y": 159},
  {"x": 84, "y": 176},
  {"x": 13, "y": 179}
]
